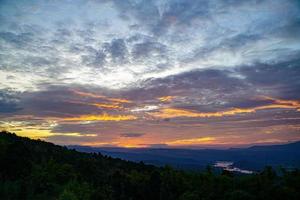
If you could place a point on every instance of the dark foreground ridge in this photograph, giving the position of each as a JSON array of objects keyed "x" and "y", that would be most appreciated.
[{"x": 33, "y": 169}]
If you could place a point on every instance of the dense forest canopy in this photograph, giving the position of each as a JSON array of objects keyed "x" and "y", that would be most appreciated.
[{"x": 34, "y": 169}]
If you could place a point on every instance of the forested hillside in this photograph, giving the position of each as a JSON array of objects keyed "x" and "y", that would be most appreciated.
[{"x": 33, "y": 169}]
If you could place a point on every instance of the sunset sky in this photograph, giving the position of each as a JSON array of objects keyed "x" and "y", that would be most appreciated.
[{"x": 151, "y": 73}]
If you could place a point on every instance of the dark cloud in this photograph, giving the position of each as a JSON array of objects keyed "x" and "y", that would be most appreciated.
[
  {"x": 75, "y": 48},
  {"x": 232, "y": 44},
  {"x": 8, "y": 102},
  {"x": 61, "y": 102},
  {"x": 117, "y": 50},
  {"x": 63, "y": 33},
  {"x": 38, "y": 61},
  {"x": 280, "y": 79},
  {"x": 77, "y": 128},
  {"x": 67, "y": 139},
  {"x": 181, "y": 13},
  {"x": 18, "y": 40},
  {"x": 243, "y": 102},
  {"x": 236, "y": 42},
  {"x": 95, "y": 58},
  {"x": 144, "y": 11},
  {"x": 148, "y": 49},
  {"x": 10, "y": 77},
  {"x": 201, "y": 83},
  {"x": 56, "y": 102},
  {"x": 291, "y": 30},
  {"x": 132, "y": 135},
  {"x": 158, "y": 17},
  {"x": 212, "y": 90},
  {"x": 158, "y": 146}
]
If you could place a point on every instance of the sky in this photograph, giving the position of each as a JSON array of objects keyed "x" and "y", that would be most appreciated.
[{"x": 151, "y": 73}]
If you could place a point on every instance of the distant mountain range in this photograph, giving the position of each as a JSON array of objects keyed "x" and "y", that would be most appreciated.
[{"x": 253, "y": 158}]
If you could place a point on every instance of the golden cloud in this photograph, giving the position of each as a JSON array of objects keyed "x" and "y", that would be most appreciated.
[
  {"x": 175, "y": 112},
  {"x": 99, "y": 105},
  {"x": 192, "y": 141},
  {"x": 288, "y": 103},
  {"x": 77, "y": 135},
  {"x": 92, "y": 95},
  {"x": 166, "y": 98},
  {"x": 105, "y": 105},
  {"x": 102, "y": 117},
  {"x": 119, "y": 100}
]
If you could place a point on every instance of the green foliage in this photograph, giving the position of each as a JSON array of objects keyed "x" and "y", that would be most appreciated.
[
  {"x": 67, "y": 195},
  {"x": 37, "y": 170}
]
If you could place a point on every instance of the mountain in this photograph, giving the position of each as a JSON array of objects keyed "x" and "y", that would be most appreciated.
[
  {"x": 294, "y": 146},
  {"x": 38, "y": 170},
  {"x": 253, "y": 158}
]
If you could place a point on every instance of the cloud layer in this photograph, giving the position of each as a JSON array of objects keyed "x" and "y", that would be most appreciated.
[{"x": 151, "y": 72}]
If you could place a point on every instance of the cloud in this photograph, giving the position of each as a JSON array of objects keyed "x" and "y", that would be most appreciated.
[
  {"x": 97, "y": 96},
  {"x": 171, "y": 113},
  {"x": 102, "y": 117},
  {"x": 117, "y": 49},
  {"x": 158, "y": 146},
  {"x": 96, "y": 58},
  {"x": 192, "y": 141},
  {"x": 8, "y": 102},
  {"x": 169, "y": 68},
  {"x": 280, "y": 79},
  {"x": 18, "y": 40},
  {"x": 75, "y": 46},
  {"x": 276, "y": 104},
  {"x": 149, "y": 49},
  {"x": 145, "y": 108},
  {"x": 132, "y": 135},
  {"x": 71, "y": 140},
  {"x": 61, "y": 102},
  {"x": 166, "y": 98}
]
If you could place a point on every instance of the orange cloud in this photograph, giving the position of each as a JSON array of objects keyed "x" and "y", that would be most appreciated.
[
  {"x": 166, "y": 98},
  {"x": 119, "y": 100},
  {"x": 87, "y": 94},
  {"x": 104, "y": 105},
  {"x": 192, "y": 141},
  {"x": 99, "y": 105},
  {"x": 288, "y": 103},
  {"x": 126, "y": 144},
  {"x": 174, "y": 112},
  {"x": 103, "y": 117},
  {"x": 92, "y": 95}
]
